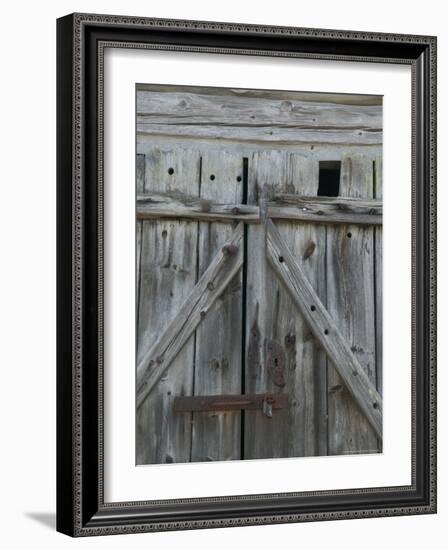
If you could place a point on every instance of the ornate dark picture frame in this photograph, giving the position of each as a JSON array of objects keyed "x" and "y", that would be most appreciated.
[{"x": 81, "y": 40}]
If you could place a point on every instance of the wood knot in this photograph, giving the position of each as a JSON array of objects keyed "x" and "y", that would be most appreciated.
[
  {"x": 290, "y": 340},
  {"x": 210, "y": 286},
  {"x": 230, "y": 249},
  {"x": 309, "y": 250},
  {"x": 335, "y": 389},
  {"x": 217, "y": 363},
  {"x": 235, "y": 210},
  {"x": 286, "y": 106}
]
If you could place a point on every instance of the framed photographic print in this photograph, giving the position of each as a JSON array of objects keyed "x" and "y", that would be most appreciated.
[{"x": 246, "y": 274}]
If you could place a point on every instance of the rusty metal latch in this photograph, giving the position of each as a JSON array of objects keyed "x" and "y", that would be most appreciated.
[
  {"x": 267, "y": 406},
  {"x": 266, "y": 402}
]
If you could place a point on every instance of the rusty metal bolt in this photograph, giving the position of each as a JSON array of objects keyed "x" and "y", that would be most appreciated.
[{"x": 205, "y": 205}]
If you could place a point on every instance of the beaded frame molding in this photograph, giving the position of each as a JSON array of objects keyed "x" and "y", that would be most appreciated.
[{"x": 81, "y": 40}]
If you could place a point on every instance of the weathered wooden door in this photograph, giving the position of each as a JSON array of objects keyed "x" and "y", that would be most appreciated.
[{"x": 258, "y": 304}]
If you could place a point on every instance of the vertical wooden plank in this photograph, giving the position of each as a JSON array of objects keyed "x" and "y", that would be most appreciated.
[
  {"x": 139, "y": 187},
  {"x": 263, "y": 437},
  {"x": 351, "y": 303},
  {"x": 217, "y": 435},
  {"x": 282, "y": 356},
  {"x": 378, "y": 175},
  {"x": 307, "y": 241},
  {"x": 168, "y": 274}
]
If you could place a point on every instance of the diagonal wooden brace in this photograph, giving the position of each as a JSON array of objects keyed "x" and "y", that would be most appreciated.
[
  {"x": 324, "y": 328},
  {"x": 210, "y": 286}
]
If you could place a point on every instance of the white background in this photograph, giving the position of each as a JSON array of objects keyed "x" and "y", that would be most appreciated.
[
  {"x": 125, "y": 482},
  {"x": 27, "y": 404}
]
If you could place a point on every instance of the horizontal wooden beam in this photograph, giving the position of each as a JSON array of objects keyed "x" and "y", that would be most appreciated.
[
  {"x": 246, "y": 108},
  {"x": 326, "y": 209},
  {"x": 324, "y": 328},
  {"x": 182, "y": 206},
  {"x": 244, "y": 116},
  {"x": 285, "y": 207},
  {"x": 182, "y": 94},
  {"x": 264, "y": 134},
  {"x": 210, "y": 286}
]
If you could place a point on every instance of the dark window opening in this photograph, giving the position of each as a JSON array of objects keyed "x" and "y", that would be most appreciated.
[{"x": 329, "y": 176}]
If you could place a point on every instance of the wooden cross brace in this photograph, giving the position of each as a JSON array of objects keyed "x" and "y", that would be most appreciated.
[{"x": 283, "y": 207}]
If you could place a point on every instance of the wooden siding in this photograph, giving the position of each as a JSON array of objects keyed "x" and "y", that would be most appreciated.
[{"x": 247, "y": 335}]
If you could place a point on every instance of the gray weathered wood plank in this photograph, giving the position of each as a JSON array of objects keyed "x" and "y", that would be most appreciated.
[
  {"x": 307, "y": 241},
  {"x": 140, "y": 188},
  {"x": 324, "y": 328},
  {"x": 326, "y": 209},
  {"x": 196, "y": 208},
  {"x": 263, "y": 134},
  {"x": 379, "y": 279},
  {"x": 217, "y": 435},
  {"x": 263, "y": 438},
  {"x": 351, "y": 303},
  {"x": 287, "y": 207},
  {"x": 325, "y": 151},
  {"x": 156, "y": 360},
  {"x": 230, "y": 109},
  {"x": 276, "y": 331},
  {"x": 168, "y": 275},
  {"x": 288, "y": 95}
]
